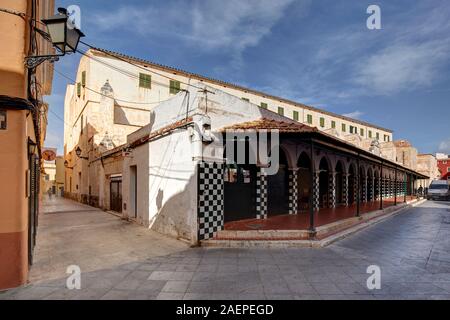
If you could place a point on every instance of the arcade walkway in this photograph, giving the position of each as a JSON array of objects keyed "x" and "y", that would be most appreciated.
[{"x": 301, "y": 220}]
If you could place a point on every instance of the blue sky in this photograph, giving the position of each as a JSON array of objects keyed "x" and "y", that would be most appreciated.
[{"x": 316, "y": 52}]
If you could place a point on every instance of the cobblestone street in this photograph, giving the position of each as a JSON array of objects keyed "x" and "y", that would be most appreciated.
[{"x": 121, "y": 260}]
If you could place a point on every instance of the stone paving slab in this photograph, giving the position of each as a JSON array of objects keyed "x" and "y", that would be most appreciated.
[{"x": 120, "y": 260}]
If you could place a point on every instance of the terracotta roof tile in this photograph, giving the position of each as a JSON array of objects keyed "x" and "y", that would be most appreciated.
[{"x": 270, "y": 124}]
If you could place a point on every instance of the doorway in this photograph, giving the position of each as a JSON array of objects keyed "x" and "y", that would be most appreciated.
[
  {"x": 278, "y": 189},
  {"x": 116, "y": 194},
  {"x": 133, "y": 190}
]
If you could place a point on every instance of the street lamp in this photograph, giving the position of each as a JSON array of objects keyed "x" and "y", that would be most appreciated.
[
  {"x": 62, "y": 36},
  {"x": 32, "y": 146},
  {"x": 66, "y": 164},
  {"x": 78, "y": 153}
]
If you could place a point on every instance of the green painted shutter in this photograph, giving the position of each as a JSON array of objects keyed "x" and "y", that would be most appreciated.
[
  {"x": 78, "y": 89},
  {"x": 333, "y": 124},
  {"x": 322, "y": 122},
  {"x": 175, "y": 86},
  {"x": 83, "y": 78},
  {"x": 295, "y": 115},
  {"x": 145, "y": 81},
  {"x": 281, "y": 111},
  {"x": 344, "y": 127},
  {"x": 264, "y": 105},
  {"x": 309, "y": 119}
]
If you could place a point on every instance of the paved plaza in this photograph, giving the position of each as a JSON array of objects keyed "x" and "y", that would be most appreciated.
[{"x": 121, "y": 260}]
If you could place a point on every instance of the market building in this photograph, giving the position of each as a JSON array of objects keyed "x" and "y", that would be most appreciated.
[
  {"x": 112, "y": 96},
  {"x": 180, "y": 179},
  {"x": 138, "y": 134}
]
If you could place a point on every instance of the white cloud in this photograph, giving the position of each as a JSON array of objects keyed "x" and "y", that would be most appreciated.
[
  {"x": 444, "y": 146},
  {"x": 228, "y": 25},
  {"x": 403, "y": 67},
  {"x": 354, "y": 115}
]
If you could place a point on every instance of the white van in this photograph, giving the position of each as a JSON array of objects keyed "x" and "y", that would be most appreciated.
[{"x": 439, "y": 190}]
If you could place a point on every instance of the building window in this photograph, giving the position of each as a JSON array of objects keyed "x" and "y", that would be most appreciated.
[
  {"x": 386, "y": 138},
  {"x": 344, "y": 127},
  {"x": 361, "y": 132},
  {"x": 83, "y": 78},
  {"x": 295, "y": 115},
  {"x": 370, "y": 134},
  {"x": 309, "y": 118},
  {"x": 175, "y": 86},
  {"x": 145, "y": 81},
  {"x": 78, "y": 89},
  {"x": 47, "y": 177},
  {"x": 264, "y": 105},
  {"x": 333, "y": 124},
  {"x": 280, "y": 111},
  {"x": 378, "y": 136},
  {"x": 245, "y": 99},
  {"x": 322, "y": 122},
  {"x": 352, "y": 128}
]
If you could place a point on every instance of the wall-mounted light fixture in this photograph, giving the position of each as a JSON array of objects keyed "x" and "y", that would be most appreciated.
[
  {"x": 66, "y": 164},
  {"x": 78, "y": 153},
  {"x": 32, "y": 146},
  {"x": 63, "y": 37}
]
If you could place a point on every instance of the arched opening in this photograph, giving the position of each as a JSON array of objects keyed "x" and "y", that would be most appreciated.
[
  {"x": 278, "y": 189},
  {"x": 351, "y": 184},
  {"x": 324, "y": 181},
  {"x": 239, "y": 187},
  {"x": 339, "y": 183},
  {"x": 370, "y": 185},
  {"x": 304, "y": 181}
]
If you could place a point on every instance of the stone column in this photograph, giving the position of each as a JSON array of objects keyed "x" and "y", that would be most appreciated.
[
  {"x": 380, "y": 181},
  {"x": 316, "y": 191},
  {"x": 261, "y": 194},
  {"x": 372, "y": 186},
  {"x": 364, "y": 190},
  {"x": 293, "y": 191},
  {"x": 345, "y": 189},
  {"x": 332, "y": 190}
]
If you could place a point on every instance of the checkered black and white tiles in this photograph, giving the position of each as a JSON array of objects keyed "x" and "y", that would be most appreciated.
[
  {"x": 261, "y": 195},
  {"x": 316, "y": 191},
  {"x": 332, "y": 200},
  {"x": 293, "y": 191},
  {"x": 210, "y": 199}
]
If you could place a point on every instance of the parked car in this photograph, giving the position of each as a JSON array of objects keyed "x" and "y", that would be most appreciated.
[{"x": 439, "y": 190}]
